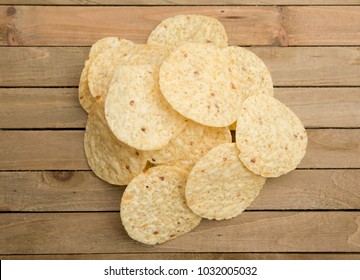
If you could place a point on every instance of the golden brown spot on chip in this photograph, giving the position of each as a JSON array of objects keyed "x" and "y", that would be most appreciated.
[
  {"x": 301, "y": 137},
  {"x": 127, "y": 167},
  {"x": 98, "y": 97},
  {"x": 143, "y": 129},
  {"x": 153, "y": 159},
  {"x": 132, "y": 102},
  {"x": 127, "y": 196},
  {"x": 217, "y": 108},
  {"x": 208, "y": 41},
  {"x": 172, "y": 235},
  {"x": 196, "y": 73},
  {"x": 155, "y": 232},
  {"x": 212, "y": 94},
  {"x": 225, "y": 159},
  {"x": 147, "y": 187},
  {"x": 253, "y": 160},
  {"x": 233, "y": 86},
  {"x": 295, "y": 136},
  {"x": 243, "y": 68},
  {"x": 191, "y": 143},
  {"x": 137, "y": 153},
  {"x": 162, "y": 178}
]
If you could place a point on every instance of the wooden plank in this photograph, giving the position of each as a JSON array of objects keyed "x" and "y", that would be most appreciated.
[
  {"x": 60, "y": 108},
  {"x": 190, "y": 256},
  {"x": 323, "y": 107},
  {"x": 246, "y": 25},
  {"x": 42, "y": 150},
  {"x": 41, "y": 66},
  {"x": 83, "y": 191},
  {"x": 74, "y": 233},
  {"x": 179, "y": 2},
  {"x": 41, "y": 108},
  {"x": 63, "y": 150},
  {"x": 306, "y": 66}
]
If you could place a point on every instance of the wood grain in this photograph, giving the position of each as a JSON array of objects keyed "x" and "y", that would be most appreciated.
[
  {"x": 179, "y": 2},
  {"x": 190, "y": 256},
  {"x": 74, "y": 233},
  {"x": 63, "y": 150},
  {"x": 41, "y": 108},
  {"x": 42, "y": 150},
  {"x": 83, "y": 191},
  {"x": 305, "y": 66},
  {"x": 246, "y": 25},
  {"x": 60, "y": 108}
]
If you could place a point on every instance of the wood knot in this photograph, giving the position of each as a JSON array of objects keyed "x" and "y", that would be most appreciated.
[
  {"x": 10, "y": 11},
  {"x": 63, "y": 176}
]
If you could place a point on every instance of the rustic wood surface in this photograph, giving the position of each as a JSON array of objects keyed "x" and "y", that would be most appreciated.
[
  {"x": 53, "y": 207},
  {"x": 246, "y": 25}
]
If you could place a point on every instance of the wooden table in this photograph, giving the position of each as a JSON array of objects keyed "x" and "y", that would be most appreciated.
[{"x": 53, "y": 207}]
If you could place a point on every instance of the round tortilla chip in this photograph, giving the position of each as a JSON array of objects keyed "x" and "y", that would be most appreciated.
[
  {"x": 136, "y": 111},
  {"x": 175, "y": 31},
  {"x": 196, "y": 81},
  {"x": 271, "y": 138},
  {"x": 186, "y": 148},
  {"x": 153, "y": 207},
  {"x": 102, "y": 69},
  {"x": 85, "y": 97},
  {"x": 110, "y": 159},
  {"x": 219, "y": 186}
]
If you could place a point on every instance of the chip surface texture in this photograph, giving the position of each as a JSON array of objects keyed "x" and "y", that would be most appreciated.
[
  {"x": 110, "y": 159},
  {"x": 188, "y": 146},
  {"x": 220, "y": 186},
  {"x": 249, "y": 72},
  {"x": 175, "y": 31},
  {"x": 136, "y": 111},
  {"x": 195, "y": 79},
  {"x": 153, "y": 207},
  {"x": 271, "y": 138}
]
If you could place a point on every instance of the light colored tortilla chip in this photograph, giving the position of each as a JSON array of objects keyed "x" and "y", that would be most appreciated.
[
  {"x": 249, "y": 73},
  {"x": 136, "y": 111},
  {"x": 196, "y": 81},
  {"x": 110, "y": 159},
  {"x": 101, "y": 70},
  {"x": 105, "y": 44},
  {"x": 153, "y": 207},
  {"x": 271, "y": 138},
  {"x": 175, "y": 31},
  {"x": 194, "y": 141},
  {"x": 220, "y": 186},
  {"x": 85, "y": 97}
]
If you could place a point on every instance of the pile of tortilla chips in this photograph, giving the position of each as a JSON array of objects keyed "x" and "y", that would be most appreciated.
[{"x": 158, "y": 121}]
